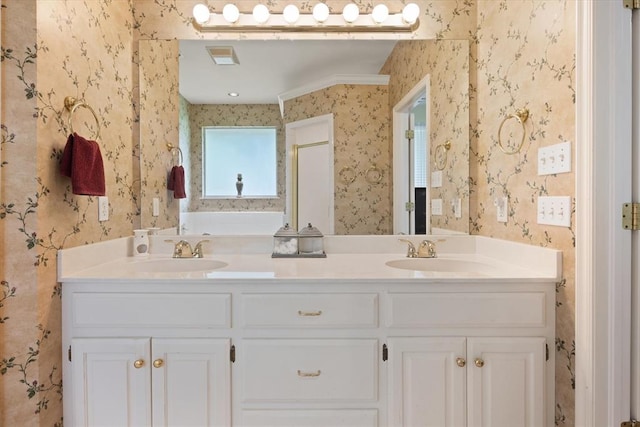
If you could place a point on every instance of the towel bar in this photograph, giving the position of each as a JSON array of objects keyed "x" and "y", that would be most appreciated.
[
  {"x": 71, "y": 104},
  {"x": 171, "y": 148}
]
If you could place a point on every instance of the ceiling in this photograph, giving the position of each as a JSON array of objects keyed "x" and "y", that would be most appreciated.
[{"x": 269, "y": 68}]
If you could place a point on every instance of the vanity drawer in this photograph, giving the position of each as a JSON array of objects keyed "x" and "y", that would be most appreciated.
[
  {"x": 133, "y": 310},
  {"x": 322, "y": 370},
  {"x": 467, "y": 310},
  {"x": 309, "y": 310},
  {"x": 310, "y": 418}
]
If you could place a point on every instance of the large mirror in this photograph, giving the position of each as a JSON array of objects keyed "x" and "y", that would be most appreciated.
[{"x": 353, "y": 90}]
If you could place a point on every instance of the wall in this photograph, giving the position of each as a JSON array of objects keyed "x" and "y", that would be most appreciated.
[
  {"x": 361, "y": 141},
  {"x": 522, "y": 54},
  {"x": 447, "y": 64},
  {"x": 52, "y": 49}
]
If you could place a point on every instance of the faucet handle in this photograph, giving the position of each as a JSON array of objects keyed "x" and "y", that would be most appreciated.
[
  {"x": 427, "y": 249},
  {"x": 411, "y": 249},
  {"x": 197, "y": 249}
]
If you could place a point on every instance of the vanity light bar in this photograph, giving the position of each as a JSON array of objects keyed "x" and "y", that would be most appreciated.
[{"x": 233, "y": 20}]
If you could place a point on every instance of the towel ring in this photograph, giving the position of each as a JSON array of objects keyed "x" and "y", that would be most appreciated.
[
  {"x": 521, "y": 116},
  {"x": 171, "y": 148},
  {"x": 71, "y": 104},
  {"x": 440, "y": 153},
  {"x": 345, "y": 176},
  {"x": 373, "y": 175}
]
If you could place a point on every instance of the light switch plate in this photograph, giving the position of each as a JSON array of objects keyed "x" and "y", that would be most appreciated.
[
  {"x": 502, "y": 208},
  {"x": 103, "y": 208},
  {"x": 554, "y": 159},
  {"x": 436, "y": 206},
  {"x": 457, "y": 207},
  {"x": 555, "y": 210}
]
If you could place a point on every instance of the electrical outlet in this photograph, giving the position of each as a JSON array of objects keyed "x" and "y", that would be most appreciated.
[
  {"x": 554, "y": 210},
  {"x": 436, "y": 206},
  {"x": 554, "y": 159},
  {"x": 156, "y": 206},
  {"x": 457, "y": 207},
  {"x": 502, "y": 207},
  {"x": 436, "y": 179},
  {"x": 103, "y": 208}
]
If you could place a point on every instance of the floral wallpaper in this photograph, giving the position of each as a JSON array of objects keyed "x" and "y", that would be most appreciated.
[
  {"x": 361, "y": 142},
  {"x": 447, "y": 64},
  {"x": 158, "y": 74},
  {"x": 522, "y": 54}
]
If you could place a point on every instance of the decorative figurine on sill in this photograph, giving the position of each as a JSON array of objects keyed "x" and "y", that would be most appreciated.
[{"x": 239, "y": 185}]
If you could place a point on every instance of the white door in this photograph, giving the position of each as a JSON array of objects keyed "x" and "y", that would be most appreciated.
[
  {"x": 191, "y": 382},
  {"x": 111, "y": 382},
  {"x": 310, "y": 182},
  {"x": 635, "y": 250},
  {"x": 427, "y": 382},
  {"x": 505, "y": 380}
]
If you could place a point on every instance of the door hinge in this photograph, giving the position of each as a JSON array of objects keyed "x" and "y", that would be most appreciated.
[
  {"x": 410, "y": 134},
  {"x": 630, "y": 215},
  {"x": 546, "y": 351},
  {"x": 631, "y": 4},
  {"x": 232, "y": 354},
  {"x": 385, "y": 353},
  {"x": 409, "y": 206},
  {"x": 632, "y": 423}
]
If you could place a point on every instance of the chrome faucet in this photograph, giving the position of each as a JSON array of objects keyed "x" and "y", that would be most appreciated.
[
  {"x": 426, "y": 249},
  {"x": 182, "y": 249}
]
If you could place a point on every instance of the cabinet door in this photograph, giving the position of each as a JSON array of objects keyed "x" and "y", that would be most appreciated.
[
  {"x": 111, "y": 382},
  {"x": 427, "y": 382},
  {"x": 191, "y": 382},
  {"x": 506, "y": 382}
]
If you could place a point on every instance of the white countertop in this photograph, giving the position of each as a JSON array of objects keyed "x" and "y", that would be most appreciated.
[{"x": 349, "y": 259}]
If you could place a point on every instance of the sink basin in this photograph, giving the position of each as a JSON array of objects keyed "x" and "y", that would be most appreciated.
[
  {"x": 441, "y": 265},
  {"x": 177, "y": 265}
]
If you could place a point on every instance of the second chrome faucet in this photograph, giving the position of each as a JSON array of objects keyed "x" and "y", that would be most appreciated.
[{"x": 426, "y": 249}]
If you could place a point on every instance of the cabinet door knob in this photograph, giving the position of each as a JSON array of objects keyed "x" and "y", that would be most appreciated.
[
  {"x": 138, "y": 364},
  {"x": 158, "y": 363},
  {"x": 461, "y": 362},
  {"x": 479, "y": 363},
  {"x": 309, "y": 313},
  {"x": 309, "y": 374}
]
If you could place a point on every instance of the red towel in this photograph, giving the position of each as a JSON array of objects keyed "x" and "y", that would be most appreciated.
[
  {"x": 176, "y": 182},
  {"x": 82, "y": 162}
]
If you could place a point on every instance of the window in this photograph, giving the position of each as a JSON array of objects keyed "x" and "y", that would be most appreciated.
[{"x": 229, "y": 151}]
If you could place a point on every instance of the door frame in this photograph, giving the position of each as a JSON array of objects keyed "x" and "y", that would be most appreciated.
[
  {"x": 401, "y": 194},
  {"x": 290, "y": 143},
  {"x": 603, "y": 171}
]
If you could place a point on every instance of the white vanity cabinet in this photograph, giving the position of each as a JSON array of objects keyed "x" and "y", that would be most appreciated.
[
  {"x": 309, "y": 353},
  {"x": 457, "y": 381},
  {"x": 150, "y": 382}
]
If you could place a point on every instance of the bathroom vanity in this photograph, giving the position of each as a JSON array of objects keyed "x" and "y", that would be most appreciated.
[{"x": 364, "y": 337}]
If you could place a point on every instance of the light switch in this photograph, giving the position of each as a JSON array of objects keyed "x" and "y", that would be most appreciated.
[
  {"x": 502, "y": 207},
  {"x": 554, "y": 159},
  {"x": 436, "y": 179},
  {"x": 554, "y": 210},
  {"x": 156, "y": 206},
  {"x": 436, "y": 206},
  {"x": 103, "y": 208}
]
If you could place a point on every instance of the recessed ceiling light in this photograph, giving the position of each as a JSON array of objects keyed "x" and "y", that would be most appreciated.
[
  {"x": 223, "y": 55},
  {"x": 233, "y": 94}
]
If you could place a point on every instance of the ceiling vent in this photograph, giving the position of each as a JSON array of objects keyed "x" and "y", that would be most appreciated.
[{"x": 223, "y": 55}]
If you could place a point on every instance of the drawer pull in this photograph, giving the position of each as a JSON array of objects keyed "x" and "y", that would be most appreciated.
[
  {"x": 309, "y": 313},
  {"x": 138, "y": 364},
  {"x": 309, "y": 374}
]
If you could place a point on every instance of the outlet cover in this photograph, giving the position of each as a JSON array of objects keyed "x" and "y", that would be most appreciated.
[
  {"x": 436, "y": 206},
  {"x": 502, "y": 208},
  {"x": 555, "y": 210},
  {"x": 436, "y": 179},
  {"x": 156, "y": 206},
  {"x": 103, "y": 208}
]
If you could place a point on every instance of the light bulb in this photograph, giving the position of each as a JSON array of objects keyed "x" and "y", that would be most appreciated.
[
  {"x": 350, "y": 12},
  {"x": 230, "y": 13},
  {"x": 410, "y": 13},
  {"x": 291, "y": 13},
  {"x": 380, "y": 13},
  {"x": 261, "y": 13},
  {"x": 201, "y": 13},
  {"x": 320, "y": 12}
]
